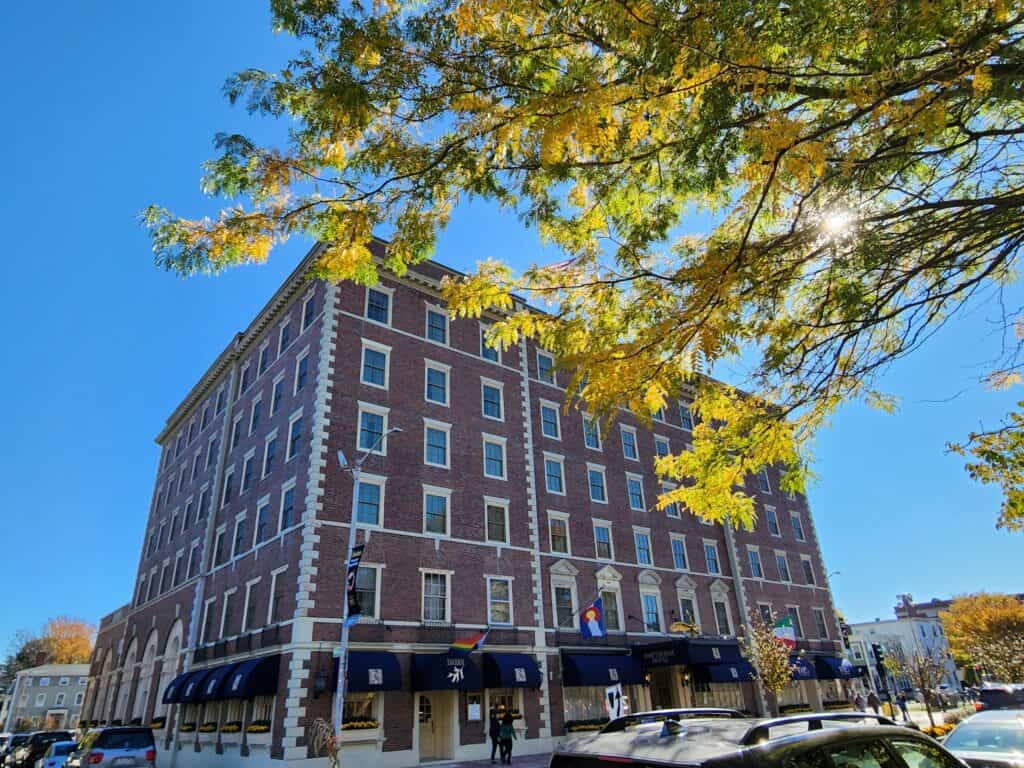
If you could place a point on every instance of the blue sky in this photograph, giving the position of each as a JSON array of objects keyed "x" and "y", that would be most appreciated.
[{"x": 108, "y": 112}]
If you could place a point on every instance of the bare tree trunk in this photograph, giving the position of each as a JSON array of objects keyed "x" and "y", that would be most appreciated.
[
  {"x": 928, "y": 709},
  {"x": 772, "y": 699}
]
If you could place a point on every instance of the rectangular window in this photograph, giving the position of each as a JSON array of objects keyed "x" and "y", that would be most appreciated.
[
  {"x": 40, "y": 699},
  {"x": 165, "y": 577},
  {"x": 375, "y": 364},
  {"x": 284, "y": 338},
  {"x": 499, "y": 600},
  {"x": 671, "y": 510},
  {"x": 435, "y": 512},
  {"x": 773, "y": 521},
  {"x": 205, "y": 419},
  {"x": 254, "y": 415},
  {"x": 497, "y": 522},
  {"x": 629, "y": 443},
  {"x": 762, "y": 482},
  {"x": 191, "y": 432},
  {"x": 436, "y": 384},
  {"x": 595, "y": 477},
  {"x": 686, "y": 417},
  {"x": 435, "y": 597},
  {"x": 247, "y": 470},
  {"x": 229, "y": 487},
  {"x": 755, "y": 563},
  {"x": 679, "y": 561},
  {"x": 494, "y": 458},
  {"x": 610, "y": 602},
  {"x": 371, "y": 496},
  {"x": 437, "y": 326},
  {"x": 435, "y": 444},
  {"x": 820, "y": 623},
  {"x": 301, "y": 369},
  {"x": 662, "y": 447},
  {"x": 798, "y": 527},
  {"x": 288, "y": 508},
  {"x": 277, "y": 394},
  {"x": 565, "y": 615},
  {"x": 805, "y": 563},
  {"x": 219, "y": 554},
  {"x": 236, "y": 431},
  {"x": 488, "y": 352},
  {"x": 722, "y": 618},
  {"x": 227, "y": 615},
  {"x": 687, "y": 611},
  {"x": 794, "y": 613},
  {"x": 372, "y": 426},
  {"x": 366, "y": 590},
  {"x": 308, "y": 312},
  {"x": 181, "y": 478},
  {"x": 553, "y": 476},
  {"x": 221, "y": 401},
  {"x": 783, "y": 565},
  {"x": 243, "y": 382},
  {"x": 238, "y": 544},
  {"x": 195, "y": 465},
  {"x": 250, "y": 620},
  {"x": 764, "y": 610},
  {"x": 193, "y": 561},
  {"x": 711, "y": 557},
  {"x": 546, "y": 367},
  {"x": 262, "y": 521},
  {"x": 603, "y": 541},
  {"x": 264, "y": 359},
  {"x": 559, "y": 531},
  {"x": 378, "y": 306},
  {"x": 179, "y": 572},
  {"x": 275, "y": 611},
  {"x": 492, "y": 400},
  {"x": 208, "y": 619},
  {"x": 549, "y": 424},
  {"x": 643, "y": 548},
  {"x": 269, "y": 454},
  {"x": 635, "y": 491},
  {"x": 591, "y": 433},
  {"x": 652, "y": 613},
  {"x": 294, "y": 437}
]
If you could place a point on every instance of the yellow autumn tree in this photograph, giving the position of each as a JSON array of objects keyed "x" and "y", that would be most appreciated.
[
  {"x": 769, "y": 657},
  {"x": 987, "y": 631},
  {"x": 809, "y": 193},
  {"x": 68, "y": 640}
]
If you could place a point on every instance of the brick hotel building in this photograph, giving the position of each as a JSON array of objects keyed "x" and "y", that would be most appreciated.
[{"x": 492, "y": 508}]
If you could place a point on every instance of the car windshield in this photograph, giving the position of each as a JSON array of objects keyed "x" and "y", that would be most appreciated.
[
  {"x": 61, "y": 749},
  {"x": 987, "y": 737},
  {"x": 125, "y": 740}
]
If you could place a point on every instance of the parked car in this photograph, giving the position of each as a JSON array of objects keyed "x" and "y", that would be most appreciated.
[
  {"x": 663, "y": 715},
  {"x": 820, "y": 740},
  {"x": 7, "y": 756},
  {"x": 1001, "y": 696},
  {"x": 989, "y": 739},
  {"x": 36, "y": 746},
  {"x": 56, "y": 754},
  {"x": 129, "y": 746}
]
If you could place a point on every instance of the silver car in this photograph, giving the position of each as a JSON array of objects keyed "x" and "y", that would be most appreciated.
[
  {"x": 989, "y": 739},
  {"x": 128, "y": 746}
]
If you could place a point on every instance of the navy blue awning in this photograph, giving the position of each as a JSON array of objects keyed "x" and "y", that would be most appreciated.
[
  {"x": 253, "y": 677},
  {"x": 172, "y": 693},
  {"x": 833, "y": 668},
  {"x": 600, "y": 669},
  {"x": 803, "y": 668},
  {"x": 733, "y": 672},
  {"x": 666, "y": 654},
  {"x": 712, "y": 651},
  {"x": 213, "y": 685},
  {"x": 191, "y": 688},
  {"x": 445, "y": 672},
  {"x": 510, "y": 670},
  {"x": 373, "y": 671}
]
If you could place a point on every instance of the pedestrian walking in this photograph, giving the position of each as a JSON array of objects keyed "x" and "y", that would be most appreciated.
[
  {"x": 494, "y": 731},
  {"x": 902, "y": 701},
  {"x": 859, "y": 702},
  {"x": 507, "y": 734},
  {"x": 874, "y": 702}
]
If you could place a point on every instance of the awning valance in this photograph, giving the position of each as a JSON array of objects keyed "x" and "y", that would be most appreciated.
[
  {"x": 445, "y": 672},
  {"x": 193, "y": 686},
  {"x": 600, "y": 669},
  {"x": 701, "y": 650},
  {"x": 733, "y": 672},
  {"x": 373, "y": 671},
  {"x": 833, "y": 668},
  {"x": 510, "y": 670},
  {"x": 214, "y": 683},
  {"x": 253, "y": 677},
  {"x": 172, "y": 692},
  {"x": 803, "y": 669}
]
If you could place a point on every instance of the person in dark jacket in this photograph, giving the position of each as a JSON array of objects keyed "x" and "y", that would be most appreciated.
[
  {"x": 494, "y": 731},
  {"x": 507, "y": 734},
  {"x": 874, "y": 702}
]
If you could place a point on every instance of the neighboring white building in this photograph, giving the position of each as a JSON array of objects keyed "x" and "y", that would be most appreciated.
[
  {"x": 49, "y": 696},
  {"x": 911, "y": 635}
]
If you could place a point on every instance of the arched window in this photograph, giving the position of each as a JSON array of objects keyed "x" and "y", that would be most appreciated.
[
  {"x": 168, "y": 667},
  {"x": 144, "y": 686},
  {"x": 101, "y": 711},
  {"x": 127, "y": 674}
]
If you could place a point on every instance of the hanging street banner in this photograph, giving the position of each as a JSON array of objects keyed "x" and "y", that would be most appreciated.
[{"x": 350, "y": 585}]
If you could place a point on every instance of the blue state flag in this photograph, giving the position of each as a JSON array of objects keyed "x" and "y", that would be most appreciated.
[{"x": 592, "y": 620}]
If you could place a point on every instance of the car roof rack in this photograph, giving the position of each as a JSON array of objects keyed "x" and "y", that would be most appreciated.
[
  {"x": 760, "y": 731},
  {"x": 657, "y": 715}
]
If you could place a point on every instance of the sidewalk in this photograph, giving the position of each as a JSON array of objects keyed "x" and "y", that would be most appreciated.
[{"x": 523, "y": 761}]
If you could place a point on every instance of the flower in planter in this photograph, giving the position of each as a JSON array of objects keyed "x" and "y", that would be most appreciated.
[
  {"x": 187, "y": 727},
  {"x": 359, "y": 725},
  {"x": 210, "y": 727},
  {"x": 233, "y": 726},
  {"x": 158, "y": 723},
  {"x": 258, "y": 726}
]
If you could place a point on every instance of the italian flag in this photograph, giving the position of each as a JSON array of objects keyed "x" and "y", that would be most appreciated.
[{"x": 784, "y": 632}]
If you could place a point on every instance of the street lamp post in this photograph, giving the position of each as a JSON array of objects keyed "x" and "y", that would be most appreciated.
[{"x": 355, "y": 470}]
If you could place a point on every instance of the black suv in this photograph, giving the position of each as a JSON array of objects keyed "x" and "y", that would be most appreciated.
[
  {"x": 829, "y": 740},
  {"x": 37, "y": 745}
]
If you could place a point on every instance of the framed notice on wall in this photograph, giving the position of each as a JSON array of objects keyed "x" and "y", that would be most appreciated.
[{"x": 474, "y": 710}]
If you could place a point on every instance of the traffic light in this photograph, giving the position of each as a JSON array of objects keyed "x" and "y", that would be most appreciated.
[{"x": 876, "y": 649}]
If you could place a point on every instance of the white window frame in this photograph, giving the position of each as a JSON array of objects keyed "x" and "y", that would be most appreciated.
[
  {"x": 591, "y": 467},
  {"x": 447, "y": 595},
  {"x": 280, "y": 336},
  {"x": 437, "y": 310},
  {"x": 266, "y": 446},
  {"x": 718, "y": 558},
  {"x": 256, "y": 400},
  {"x": 689, "y": 593},
  {"x": 391, "y": 304},
  {"x": 236, "y": 551},
  {"x": 245, "y": 604},
  {"x": 249, "y": 455},
  {"x": 500, "y": 386},
  {"x": 689, "y": 410},
  {"x": 264, "y": 501},
  {"x": 769, "y": 515},
  {"x": 236, "y": 423},
  {"x": 228, "y": 475},
  {"x": 429, "y": 365},
  {"x": 623, "y": 431},
  {"x": 615, "y": 587},
  {"x": 484, "y": 327},
  {"x": 303, "y": 355},
  {"x": 207, "y": 604},
  {"x": 502, "y": 442},
  {"x": 724, "y": 599},
  {"x": 763, "y": 474},
  {"x": 650, "y": 591},
  {"x": 584, "y": 419},
  {"x": 803, "y": 571},
  {"x": 41, "y": 699},
  {"x": 596, "y": 523},
  {"x": 378, "y": 568},
  {"x": 789, "y": 571},
  {"x": 311, "y": 296},
  {"x": 286, "y": 486},
  {"x": 564, "y": 517},
  {"x": 503, "y": 504},
  {"x": 632, "y": 476},
  {"x": 681, "y": 538},
  {"x": 219, "y": 534},
  {"x": 672, "y": 510},
  {"x": 441, "y": 426},
  {"x": 560, "y": 460},
  {"x": 276, "y": 404},
  {"x": 437, "y": 490},
  {"x": 381, "y": 482},
  {"x": 378, "y": 410},
  {"x": 274, "y": 574},
  {"x": 511, "y": 601},
  {"x": 646, "y": 532},
  {"x": 750, "y": 563},
  {"x": 228, "y": 593},
  {"x": 798, "y": 625},
  {"x": 558, "y": 419},
  {"x": 660, "y": 440},
  {"x": 816, "y": 612},
  {"x": 384, "y": 349},
  {"x": 264, "y": 347},
  {"x": 567, "y": 582},
  {"x": 794, "y": 515},
  {"x": 288, "y": 455}
]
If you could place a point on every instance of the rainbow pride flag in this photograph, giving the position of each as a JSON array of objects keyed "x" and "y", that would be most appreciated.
[{"x": 470, "y": 643}]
